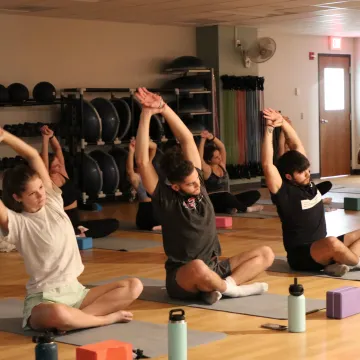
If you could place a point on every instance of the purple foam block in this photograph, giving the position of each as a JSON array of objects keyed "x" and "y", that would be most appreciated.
[{"x": 343, "y": 302}]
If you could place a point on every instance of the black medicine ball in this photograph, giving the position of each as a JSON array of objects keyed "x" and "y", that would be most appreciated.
[
  {"x": 18, "y": 92},
  {"x": 44, "y": 92},
  {"x": 4, "y": 94}
]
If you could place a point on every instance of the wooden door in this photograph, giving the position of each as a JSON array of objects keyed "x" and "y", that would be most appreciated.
[{"x": 335, "y": 122}]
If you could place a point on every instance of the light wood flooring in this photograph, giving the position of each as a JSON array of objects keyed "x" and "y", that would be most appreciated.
[{"x": 324, "y": 338}]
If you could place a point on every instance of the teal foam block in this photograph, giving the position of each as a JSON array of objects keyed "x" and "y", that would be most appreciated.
[
  {"x": 351, "y": 203},
  {"x": 84, "y": 243}
]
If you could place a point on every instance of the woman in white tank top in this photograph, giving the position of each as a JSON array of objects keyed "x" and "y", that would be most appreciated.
[{"x": 32, "y": 218}]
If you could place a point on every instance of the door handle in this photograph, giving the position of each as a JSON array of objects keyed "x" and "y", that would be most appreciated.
[{"x": 323, "y": 121}]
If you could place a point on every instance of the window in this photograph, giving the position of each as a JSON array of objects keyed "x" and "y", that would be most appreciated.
[{"x": 334, "y": 89}]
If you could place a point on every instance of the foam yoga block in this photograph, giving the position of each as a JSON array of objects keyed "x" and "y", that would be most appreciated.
[
  {"x": 351, "y": 203},
  {"x": 84, "y": 243},
  {"x": 105, "y": 350},
  {"x": 343, "y": 302},
  {"x": 223, "y": 222}
]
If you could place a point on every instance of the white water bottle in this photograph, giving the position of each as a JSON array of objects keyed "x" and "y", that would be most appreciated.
[{"x": 296, "y": 308}]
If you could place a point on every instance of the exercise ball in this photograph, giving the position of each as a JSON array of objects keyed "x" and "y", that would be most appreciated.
[
  {"x": 186, "y": 62},
  {"x": 89, "y": 174},
  {"x": 110, "y": 171},
  {"x": 109, "y": 118},
  {"x": 4, "y": 94},
  {"x": 120, "y": 156},
  {"x": 18, "y": 92},
  {"x": 156, "y": 126},
  {"x": 44, "y": 92},
  {"x": 124, "y": 114}
]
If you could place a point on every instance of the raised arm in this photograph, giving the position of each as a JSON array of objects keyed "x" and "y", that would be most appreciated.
[
  {"x": 219, "y": 144},
  {"x": 178, "y": 128},
  {"x": 205, "y": 167},
  {"x": 152, "y": 150},
  {"x": 146, "y": 169},
  {"x": 45, "y": 148},
  {"x": 30, "y": 154},
  {"x": 272, "y": 175},
  {"x": 133, "y": 177},
  {"x": 292, "y": 140},
  {"x": 55, "y": 146}
]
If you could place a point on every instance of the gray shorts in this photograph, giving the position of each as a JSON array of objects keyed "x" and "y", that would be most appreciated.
[{"x": 174, "y": 290}]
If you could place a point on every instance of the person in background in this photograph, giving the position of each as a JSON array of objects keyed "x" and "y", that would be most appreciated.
[
  {"x": 55, "y": 164},
  {"x": 145, "y": 219},
  {"x": 213, "y": 161}
]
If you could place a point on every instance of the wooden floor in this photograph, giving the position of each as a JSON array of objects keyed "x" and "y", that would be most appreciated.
[{"x": 324, "y": 338}]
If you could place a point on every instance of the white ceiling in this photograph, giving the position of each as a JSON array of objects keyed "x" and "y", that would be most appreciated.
[{"x": 313, "y": 17}]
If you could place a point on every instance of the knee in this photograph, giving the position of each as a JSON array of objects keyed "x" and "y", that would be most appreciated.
[
  {"x": 198, "y": 269},
  {"x": 267, "y": 255},
  {"x": 333, "y": 244},
  {"x": 135, "y": 287},
  {"x": 60, "y": 317}
]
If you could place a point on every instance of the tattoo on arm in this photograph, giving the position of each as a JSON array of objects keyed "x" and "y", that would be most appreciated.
[{"x": 270, "y": 130}]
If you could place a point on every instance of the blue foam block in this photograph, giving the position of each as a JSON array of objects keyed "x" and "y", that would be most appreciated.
[{"x": 84, "y": 243}]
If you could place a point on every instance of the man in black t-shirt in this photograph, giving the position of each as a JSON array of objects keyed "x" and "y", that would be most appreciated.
[
  {"x": 183, "y": 207},
  {"x": 301, "y": 210}
]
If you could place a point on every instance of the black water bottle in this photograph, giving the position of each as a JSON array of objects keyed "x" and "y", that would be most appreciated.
[{"x": 46, "y": 348}]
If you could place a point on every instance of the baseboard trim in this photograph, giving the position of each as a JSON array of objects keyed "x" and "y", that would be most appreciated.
[{"x": 315, "y": 176}]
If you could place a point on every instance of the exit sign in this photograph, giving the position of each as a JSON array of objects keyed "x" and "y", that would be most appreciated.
[{"x": 335, "y": 43}]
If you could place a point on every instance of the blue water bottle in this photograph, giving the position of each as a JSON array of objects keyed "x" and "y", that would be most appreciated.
[
  {"x": 177, "y": 335},
  {"x": 46, "y": 348}
]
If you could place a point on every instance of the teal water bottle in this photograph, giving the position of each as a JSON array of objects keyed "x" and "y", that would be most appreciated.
[
  {"x": 177, "y": 335},
  {"x": 46, "y": 348},
  {"x": 296, "y": 308}
]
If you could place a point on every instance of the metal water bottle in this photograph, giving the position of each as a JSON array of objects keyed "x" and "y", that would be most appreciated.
[
  {"x": 46, "y": 348},
  {"x": 296, "y": 308},
  {"x": 177, "y": 335}
]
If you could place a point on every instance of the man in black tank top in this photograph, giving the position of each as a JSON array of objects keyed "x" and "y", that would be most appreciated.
[
  {"x": 301, "y": 210},
  {"x": 183, "y": 207}
]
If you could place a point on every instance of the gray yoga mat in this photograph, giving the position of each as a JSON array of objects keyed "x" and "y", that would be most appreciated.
[
  {"x": 280, "y": 265},
  {"x": 271, "y": 306},
  {"x": 116, "y": 243},
  {"x": 346, "y": 190},
  {"x": 254, "y": 215},
  {"x": 334, "y": 205},
  {"x": 129, "y": 226},
  {"x": 151, "y": 338}
]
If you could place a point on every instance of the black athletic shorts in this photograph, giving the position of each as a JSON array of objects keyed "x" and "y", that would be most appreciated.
[
  {"x": 174, "y": 290},
  {"x": 299, "y": 258}
]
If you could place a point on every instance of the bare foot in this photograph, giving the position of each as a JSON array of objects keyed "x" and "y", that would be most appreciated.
[
  {"x": 327, "y": 201},
  {"x": 157, "y": 228},
  {"x": 255, "y": 208},
  {"x": 120, "y": 317},
  {"x": 233, "y": 211}
]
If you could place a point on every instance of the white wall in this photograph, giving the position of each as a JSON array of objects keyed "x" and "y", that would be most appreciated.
[
  {"x": 79, "y": 53},
  {"x": 291, "y": 68}
]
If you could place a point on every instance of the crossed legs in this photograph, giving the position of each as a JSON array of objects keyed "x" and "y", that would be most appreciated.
[
  {"x": 103, "y": 305},
  {"x": 196, "y": 276}
]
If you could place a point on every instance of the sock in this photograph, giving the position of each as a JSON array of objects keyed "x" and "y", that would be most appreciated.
[
  {"x": 233, "y": 290},
  {"x": 211, "y": 297},
  {"x": 357, "y": 266},
  {"x": 337, "y": 270}
]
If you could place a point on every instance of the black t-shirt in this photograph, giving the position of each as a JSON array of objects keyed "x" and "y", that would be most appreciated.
[
  {"x": 302, "y": 214},
  {"x": 188, "y": 225}
]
